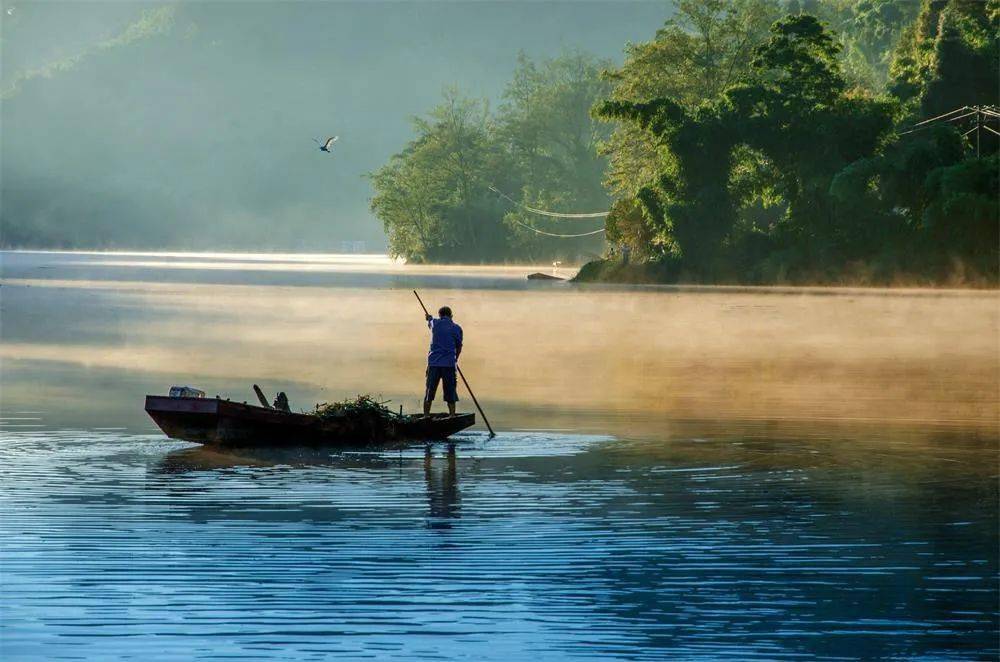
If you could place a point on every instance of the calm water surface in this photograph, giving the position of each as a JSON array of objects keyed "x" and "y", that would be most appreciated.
[{"x": 680, "y": 473}]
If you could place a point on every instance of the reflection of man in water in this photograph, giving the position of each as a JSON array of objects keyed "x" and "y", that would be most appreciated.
[
  {"x": 442, "y": 490},
  {"x": 446, "y": 346}
]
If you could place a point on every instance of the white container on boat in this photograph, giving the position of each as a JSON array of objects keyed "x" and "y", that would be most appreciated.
[{"x": 186, "y": 392}]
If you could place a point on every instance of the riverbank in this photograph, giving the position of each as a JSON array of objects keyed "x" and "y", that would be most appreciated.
[{"x": 951, "y": 276}]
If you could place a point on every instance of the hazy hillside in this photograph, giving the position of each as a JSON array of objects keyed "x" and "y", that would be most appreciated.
[{"x": 191, "y": 125}]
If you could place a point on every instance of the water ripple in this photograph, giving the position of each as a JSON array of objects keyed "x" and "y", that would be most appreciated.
[{"x": 534, "y": 544}]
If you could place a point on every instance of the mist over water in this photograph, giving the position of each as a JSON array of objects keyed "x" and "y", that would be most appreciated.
[
  {"x": 688, "y": 472},
  {"x": 327, "y": 327}
]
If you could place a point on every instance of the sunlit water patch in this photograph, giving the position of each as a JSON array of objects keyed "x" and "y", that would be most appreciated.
[{"x": 533, "y": 544}]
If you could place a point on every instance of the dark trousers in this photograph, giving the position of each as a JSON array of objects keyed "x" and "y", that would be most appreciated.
[{"x": 445, "y": 375}]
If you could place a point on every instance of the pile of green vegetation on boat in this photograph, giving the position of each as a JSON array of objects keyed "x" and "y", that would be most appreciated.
[{"x": 362, "y": 406}]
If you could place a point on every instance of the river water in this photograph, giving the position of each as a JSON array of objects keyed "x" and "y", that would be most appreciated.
[{"x": 695, "y": 473}]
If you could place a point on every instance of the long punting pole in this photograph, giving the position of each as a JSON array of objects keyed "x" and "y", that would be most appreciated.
[{"x": 464, "y": 380}]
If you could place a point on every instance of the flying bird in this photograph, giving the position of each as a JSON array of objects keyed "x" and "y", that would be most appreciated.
[{"x": 325, "y": 146}]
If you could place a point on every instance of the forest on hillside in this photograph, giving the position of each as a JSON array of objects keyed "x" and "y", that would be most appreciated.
[{"x": 748, "y": 141}]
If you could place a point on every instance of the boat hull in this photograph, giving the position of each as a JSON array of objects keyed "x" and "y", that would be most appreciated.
[{"x": 222, "y": 422}]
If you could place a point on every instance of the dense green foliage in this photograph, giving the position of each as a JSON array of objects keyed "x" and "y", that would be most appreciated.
[
  {"x": 794, "y": 171},
  {"x": 749, "y": 140},
  {"x": 949, "y": 56},
  {"x": 797, "y": 127},
  {"x": 698, "y": 54},
  {"x": 546, "y": 128},
  {"x": 435, "y": 196}
]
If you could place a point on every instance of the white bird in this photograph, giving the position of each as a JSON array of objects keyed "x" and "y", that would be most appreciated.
[{"x": 325, "y": 146}]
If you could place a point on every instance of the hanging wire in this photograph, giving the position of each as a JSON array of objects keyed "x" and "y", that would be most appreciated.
[
  {"x": 550, "y": 214},
  {"x": 954, "y": 116},
  {"x": 542, "y": 212},
  {"x": 942, "y": 116},
  {"x": 552, "y": 234},
  {"x": 960, "y": 117},
  {"x": 924, "y": 125}
]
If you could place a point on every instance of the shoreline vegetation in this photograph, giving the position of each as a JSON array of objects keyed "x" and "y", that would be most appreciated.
[
  {"x": 954, "y": 276},
  {"x": 759, "y": 142}
]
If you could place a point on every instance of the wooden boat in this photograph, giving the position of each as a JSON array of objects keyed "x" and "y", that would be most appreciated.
[{"x": 216, "y": 421}]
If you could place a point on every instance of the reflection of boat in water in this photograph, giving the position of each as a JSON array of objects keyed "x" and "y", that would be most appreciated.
[
  {"x": 216, "y": 458},
  {"x": 216, "y": 421},
  {"x": 339, "y": 468}
]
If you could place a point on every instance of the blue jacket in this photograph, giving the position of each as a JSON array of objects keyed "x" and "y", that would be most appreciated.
[{"x": 446, "y": 343}]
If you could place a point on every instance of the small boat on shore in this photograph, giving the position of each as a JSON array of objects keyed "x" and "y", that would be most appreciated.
[{"x": 217, "y": 421}]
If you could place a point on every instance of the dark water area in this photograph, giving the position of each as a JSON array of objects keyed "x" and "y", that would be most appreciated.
[{"x": 750, "y": 518}]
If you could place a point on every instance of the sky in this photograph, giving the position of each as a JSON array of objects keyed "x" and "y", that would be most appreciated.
[{"x": 191, "y": 125}]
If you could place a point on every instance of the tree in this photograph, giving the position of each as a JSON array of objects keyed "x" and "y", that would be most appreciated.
[
  {"x": 793, "y": 124},
  {"x": 962, "y": 219},
  {"x": 880, "y": 200},
  {"x": 545, "y": 126},
  {"x": 737, "y": 151},
  {"x": 698, "y": 53},
  {"x": 800, "y": 76},
  {"x": 872, "y": 29},
  {"x": 800, "y": 114},
  {"x": 433, "y": 197},
  {"x": 949, "y": 57}
]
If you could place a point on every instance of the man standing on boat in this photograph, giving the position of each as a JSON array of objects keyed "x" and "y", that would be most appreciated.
[{"x": 446, "y": 346}]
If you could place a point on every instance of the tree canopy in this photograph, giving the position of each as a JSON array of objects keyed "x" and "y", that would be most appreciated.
[
  {"x": 748, "y": 140},
  {"x": 539, "y": 148},
  {"x": 793, "y": 170}
]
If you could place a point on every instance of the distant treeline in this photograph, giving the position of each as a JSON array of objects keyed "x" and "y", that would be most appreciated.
[
  {"x": 748, "y": 141},
  {"x": 540, "y": 147}
]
